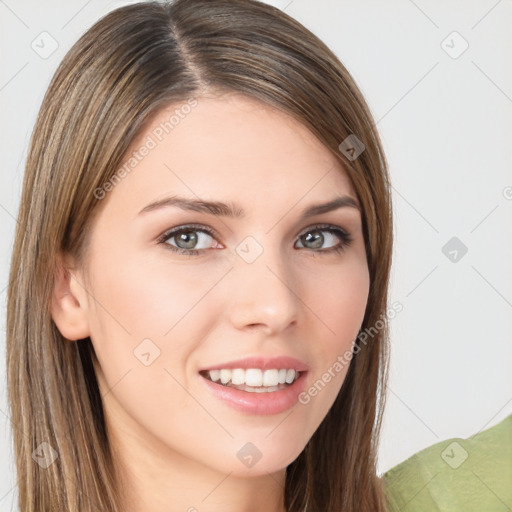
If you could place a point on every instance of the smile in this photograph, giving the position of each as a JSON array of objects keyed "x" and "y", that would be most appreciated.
[
  {"x": 256, "y": 391},
  {"x": 253, "y": 380}
]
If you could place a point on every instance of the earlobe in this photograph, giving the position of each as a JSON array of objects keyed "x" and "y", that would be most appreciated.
[{"x": 69, "y": 302}]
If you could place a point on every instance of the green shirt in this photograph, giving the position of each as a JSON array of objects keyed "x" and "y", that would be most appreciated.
[{"x": 457, "y": 475}]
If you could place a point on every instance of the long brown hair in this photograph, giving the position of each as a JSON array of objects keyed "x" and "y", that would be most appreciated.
[{"x": 131, "y": 63}]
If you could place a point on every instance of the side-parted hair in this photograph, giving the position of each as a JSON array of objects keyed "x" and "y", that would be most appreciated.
[{"x": 132, "y": 63}]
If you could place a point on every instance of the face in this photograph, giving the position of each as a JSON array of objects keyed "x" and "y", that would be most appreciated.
[{"x": 174, "y": 290}]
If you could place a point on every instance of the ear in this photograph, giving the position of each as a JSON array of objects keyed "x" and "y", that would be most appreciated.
[{"x": 69, "y": 301}]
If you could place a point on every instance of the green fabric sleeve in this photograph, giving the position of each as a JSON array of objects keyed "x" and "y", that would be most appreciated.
[{"x": 456, "y": 475}]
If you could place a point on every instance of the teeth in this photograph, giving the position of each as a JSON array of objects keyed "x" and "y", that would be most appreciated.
[
  {"x": 290, "y": 376},
  {"x": 237, "y": 376},
  {"x": 254, "y": 377},
  {"x": 225, "y": 376},
  {"x": 215, "y": 375}
]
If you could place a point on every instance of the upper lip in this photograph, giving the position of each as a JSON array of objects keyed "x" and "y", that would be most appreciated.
[{"x": 265, "y": 363}]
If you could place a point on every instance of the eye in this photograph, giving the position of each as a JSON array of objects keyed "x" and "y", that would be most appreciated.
[
  {"x": 186, "y": 238},
  {"x": 314, "y": 238}
]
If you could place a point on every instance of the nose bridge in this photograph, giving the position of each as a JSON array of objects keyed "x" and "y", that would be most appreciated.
[{"x": 264, "y": 285}]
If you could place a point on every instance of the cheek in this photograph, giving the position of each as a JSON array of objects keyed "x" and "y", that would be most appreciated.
[
  {"x": 149, "y": 316},
  {"x": 337, "y": 299},
  {"x": 340, "y": 302},
  {"x": 148, "y": 299},
  {"x": 143, "y": 331}
]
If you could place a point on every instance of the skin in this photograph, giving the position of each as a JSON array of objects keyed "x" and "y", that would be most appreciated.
[{"x": 175, "y": 444}]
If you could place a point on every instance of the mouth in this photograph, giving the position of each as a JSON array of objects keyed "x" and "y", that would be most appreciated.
[
  {"x": 253, "y": 380},
  {"x": 256, "y": 391}
]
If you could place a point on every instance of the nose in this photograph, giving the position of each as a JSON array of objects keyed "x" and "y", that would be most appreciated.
[{"x": 263, "y": 294}]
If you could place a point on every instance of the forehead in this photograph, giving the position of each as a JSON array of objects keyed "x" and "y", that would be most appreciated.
[{"x": 227, "y": 147}]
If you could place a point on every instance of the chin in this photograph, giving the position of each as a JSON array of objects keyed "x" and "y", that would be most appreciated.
[{"x": 258, "y": 459}]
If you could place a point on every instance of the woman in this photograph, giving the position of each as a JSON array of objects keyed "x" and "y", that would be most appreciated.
[{"x": 204, "y": 243}]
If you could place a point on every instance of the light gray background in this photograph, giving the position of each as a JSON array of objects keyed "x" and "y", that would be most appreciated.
[{"x": 446, "y": 124}]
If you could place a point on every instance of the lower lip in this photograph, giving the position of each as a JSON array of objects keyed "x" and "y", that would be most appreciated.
[{"x": 264, "y": 403}]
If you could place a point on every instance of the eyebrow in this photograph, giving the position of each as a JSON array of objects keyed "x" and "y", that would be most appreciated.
[{"x": 219, "y": 208}]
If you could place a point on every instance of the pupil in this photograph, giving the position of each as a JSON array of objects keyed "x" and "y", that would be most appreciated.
[
  {"x": 317, "y": 239},
  {"x": 192, "y": 239}
]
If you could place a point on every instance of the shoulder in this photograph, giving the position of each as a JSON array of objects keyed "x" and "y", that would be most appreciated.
[{"x": 473, "y": 474}]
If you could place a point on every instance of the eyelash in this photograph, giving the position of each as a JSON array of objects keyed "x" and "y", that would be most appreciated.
[{"x": 345, "y": 237}]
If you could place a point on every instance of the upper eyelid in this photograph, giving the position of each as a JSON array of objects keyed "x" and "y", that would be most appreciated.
[{"x": 188, "y": 227}]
